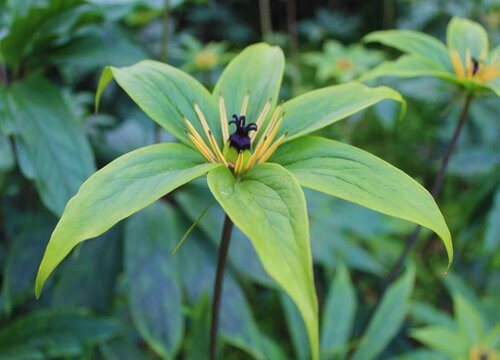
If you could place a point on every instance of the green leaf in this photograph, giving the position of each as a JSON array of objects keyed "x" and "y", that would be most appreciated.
[
  {"x": 51, "y": 144},
  {"x": 155, "y": 294},
  {"x": 90, "y": 276},
  {"x": 387, "y": 319},
  {"x": 339, "y": 312},
  {"x": 7, "y": 159},
  {"x": 47, "y": 334},
  {"x": 442, "y": 339},
  {"x": 165, "y": 94},
  {"x": 491, "y": 237},
  {"x": 36, "y": 28},
  {"x": 408, "y": 66},
  {"x": 26, "y": 246},
  {"x": 256, "y": 71},
  {"x": 197, "y": 345},
  {"x": 464, "y": 35},
  {"x": 469, "y": 320},
  {"x": 296, "y": 328},
  {"x": 354, "y": 175},
  {"x": 123, "y": 187},
  {"x": 196, "y": 262},
  {"x": 319, "y": 108},
  {"x": 268, "y": 206},
  {"x": 415, "y": 43}
]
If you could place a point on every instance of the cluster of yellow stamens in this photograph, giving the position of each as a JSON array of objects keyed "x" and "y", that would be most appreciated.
[
  {"x": 262, "y": 151},
  {"x": 475, "y": 69}
]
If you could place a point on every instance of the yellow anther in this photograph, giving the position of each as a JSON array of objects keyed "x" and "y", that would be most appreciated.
[
  {"x": 244, "y": 106},
  {"x": 260, "y": 119},
  {"x": 239, "y": 163},
  {"x": 223, "y": 120},
  {"x": 457, "y": 63},
  {"x": 271, "y": 149}
]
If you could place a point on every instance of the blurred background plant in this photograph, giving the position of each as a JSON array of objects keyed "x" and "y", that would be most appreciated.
[{"x": 124, "y": 296}]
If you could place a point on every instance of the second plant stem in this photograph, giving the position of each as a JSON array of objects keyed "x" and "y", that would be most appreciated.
[
  {"x": 436, "y": 188},
  {"x": 219, "y": 282}
]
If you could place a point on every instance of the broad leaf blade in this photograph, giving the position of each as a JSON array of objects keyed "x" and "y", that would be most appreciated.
[
  {"x": 120, "y": 189},
  {"x": 155, "y": 294},
  {"x": 442, "y": 339},
  {"x": 256, "y": 71},
  {"x": 387, "y": 319},
  {"x": 469, "y": 320},
  {"x": 465, "y": 36},
  {"x": 268, "y": 206},
  {"x": 354, "y": 175},
  {"x": 415, "y": 43},
  {"x": 165, "y": 94},
  {"x": 338, "y": 318},
  {"x": 48, "y": 334},
  {"x": 52, "y": 147},
  {"x": 319, "y": 108}
]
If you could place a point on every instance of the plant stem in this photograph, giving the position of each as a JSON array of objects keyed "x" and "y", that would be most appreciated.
[
  {"x": 265, "y": 19},
  {"x": 163, "y": 52},
  {"x": 293, "y": 44},
  {"x": 164, "y": 31},
  {"x": 219, "y": 280},
  {"x": 435, "y": 191}
]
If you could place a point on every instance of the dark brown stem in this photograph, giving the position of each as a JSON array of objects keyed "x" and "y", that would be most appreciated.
[
  {"x": 293, "y": 43},
  {"x": 163, "y": 52},
  {"x": 265, "y": 18},
  {"x": 219, "y": 281},
  {"x": 164, "y": 32},
  {"x": 435, "y": 191}
]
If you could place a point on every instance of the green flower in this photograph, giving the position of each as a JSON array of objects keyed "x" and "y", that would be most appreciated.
[
  {"x": 341, "y": 63},
  {"x": 255, "y": 172},
  {"x": 466, "y": 61}
]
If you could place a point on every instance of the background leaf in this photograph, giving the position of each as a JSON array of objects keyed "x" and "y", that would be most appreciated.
[
  {"x": 387, "y": 319},
  {"x": 154, "y": 286},
  {"x": 54, "y": 334},
  {"x": 338, "y": 314},
  {"x": 52, "y": 147}
]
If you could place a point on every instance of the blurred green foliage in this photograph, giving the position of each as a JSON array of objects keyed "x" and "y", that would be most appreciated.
[{"x": 124, "y": 296}]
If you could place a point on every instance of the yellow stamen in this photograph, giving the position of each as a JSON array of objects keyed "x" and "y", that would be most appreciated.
[
  {"x": 223, "y": 120},
  {"x": 202, "y": 119},
  {"x": 255, "y": 156},
  {"x": 210, "y": 136},
  {"x": 469, "y": 67},
  {"x": 244, "y": 106},
  {"x": 216, "y": 148},
  {"x": 271, "y": 149},
  {"x": 260, "y": 120},
  {"x": 457, "y": 63},
  {"x": 199, "y": 140},
  {"x": 202, "y": 148},
  {"x": 239, "y": 163},
  {"x": 272, "y": 135}
]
